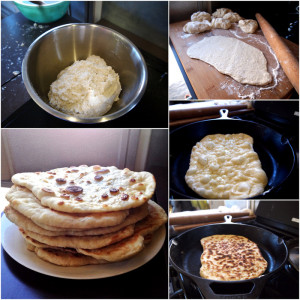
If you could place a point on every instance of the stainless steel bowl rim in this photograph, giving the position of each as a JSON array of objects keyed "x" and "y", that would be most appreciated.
[{"x": 61, "y": 115}]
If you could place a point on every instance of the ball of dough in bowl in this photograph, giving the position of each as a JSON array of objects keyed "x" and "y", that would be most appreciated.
[{"x": 87, "y": 88}]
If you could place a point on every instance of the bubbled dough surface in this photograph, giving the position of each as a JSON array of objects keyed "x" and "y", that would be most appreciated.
[
  {"x": 139, "y": 191},
  {"x": 225, "y": 167}
]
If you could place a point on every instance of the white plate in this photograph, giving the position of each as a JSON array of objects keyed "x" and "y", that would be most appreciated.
[{"x": 15, "y": 246}]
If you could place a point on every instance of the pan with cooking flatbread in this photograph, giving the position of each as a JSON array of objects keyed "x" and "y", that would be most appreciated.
[
  {"x": 186, "y": 250},
  {"x": 274, "y": 150}
]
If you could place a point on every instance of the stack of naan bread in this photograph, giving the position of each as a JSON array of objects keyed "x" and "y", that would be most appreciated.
[{"x": 85, "y": 215}]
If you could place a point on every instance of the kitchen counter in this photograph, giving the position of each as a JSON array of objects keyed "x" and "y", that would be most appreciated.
[{"x": 20, "y": 111}]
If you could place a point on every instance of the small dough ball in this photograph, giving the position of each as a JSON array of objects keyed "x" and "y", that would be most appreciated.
[
  {"x": 248, "y": 26},
  {"x": 232, "y": 17},
  {"x": 221, "y": 12},
  {"x": 197, "y": 27},
  {"x": 220, "y": 23},
  {"x": 200, "y": 16}
]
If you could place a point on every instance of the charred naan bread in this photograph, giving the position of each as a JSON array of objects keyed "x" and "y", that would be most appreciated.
[
  {"x": 225, "y": 166},
  {"x": 87, "y": 189},
  {"x": 230, "y": 258}
]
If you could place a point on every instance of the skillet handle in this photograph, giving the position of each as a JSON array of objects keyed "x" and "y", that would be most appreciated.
[
  {"x": 224, "y": 113},
  {"x": 228, "y": 219},
  {"x": 246, "y": 289}
]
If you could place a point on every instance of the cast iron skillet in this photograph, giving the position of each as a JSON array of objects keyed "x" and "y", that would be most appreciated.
[
  {"x": 185, "y": 252},
  {"x": 274, "y": 150}
]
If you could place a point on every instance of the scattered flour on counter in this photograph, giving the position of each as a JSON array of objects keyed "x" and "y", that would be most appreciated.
[
  {"x": 248, "y": 91},
  {"x": 185, "y": 35}
]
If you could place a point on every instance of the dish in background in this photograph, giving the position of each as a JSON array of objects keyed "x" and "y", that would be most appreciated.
[{"x": 46, "y": 12}]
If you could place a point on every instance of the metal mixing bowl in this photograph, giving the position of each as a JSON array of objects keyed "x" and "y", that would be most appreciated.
[{"x": 59, "y": 47}]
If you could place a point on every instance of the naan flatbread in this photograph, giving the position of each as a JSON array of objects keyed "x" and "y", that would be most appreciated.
[
  {"x": 230, "y": 258},
  {"x": 91, "y": 189},
  {"x": 119, "y": 251},
  {"x": 65, "y": 259},
  {"x": 22, "y": 200},
  {"x": 86, "y": 242},
  {"x": 135, "y": 215},
  {"x": 142, "y": 235}
]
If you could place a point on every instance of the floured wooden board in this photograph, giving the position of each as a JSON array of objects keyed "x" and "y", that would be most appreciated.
[{"x": 208, "y": 83}]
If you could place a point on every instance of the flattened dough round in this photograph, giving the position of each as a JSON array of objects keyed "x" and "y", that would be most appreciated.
[{"x": 244, "y": 63}]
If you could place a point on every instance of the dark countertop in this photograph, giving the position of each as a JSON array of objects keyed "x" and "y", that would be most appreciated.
[{"x": 20, "y": 111}]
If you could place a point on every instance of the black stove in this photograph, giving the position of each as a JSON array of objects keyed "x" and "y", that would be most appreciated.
[{"x": 279, "y": 217}]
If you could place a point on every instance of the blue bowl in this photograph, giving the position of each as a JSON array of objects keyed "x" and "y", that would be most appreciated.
[{"x": 48, "y": 12}]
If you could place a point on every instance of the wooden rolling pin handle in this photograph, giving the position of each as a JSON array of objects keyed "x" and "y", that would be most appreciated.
[{"x": 287, "y": 60}]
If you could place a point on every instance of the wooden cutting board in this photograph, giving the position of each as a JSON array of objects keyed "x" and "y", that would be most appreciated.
[{"x": 208, "y": 83}]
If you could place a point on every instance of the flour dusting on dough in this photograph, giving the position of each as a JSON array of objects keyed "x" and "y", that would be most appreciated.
[{"x": 274, "y": 69}]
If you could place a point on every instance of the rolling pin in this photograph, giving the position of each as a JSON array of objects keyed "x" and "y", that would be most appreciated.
[{"x": 287, "y": 60}]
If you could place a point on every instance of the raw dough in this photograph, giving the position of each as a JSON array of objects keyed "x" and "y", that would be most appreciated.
[
  {"x": 221, "y": 12},
  {"x": 248, "y": 26},
  {"x": 200, "y": 16},
  {"x": 220, "y": 23},
  {"x": 232, "y": 17},
  {"x": 197, "y": 27},
  {"x": 244, "y": 63},
  {"x": 88, "y": 88},
  {"x": 225, "y": 166}
]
